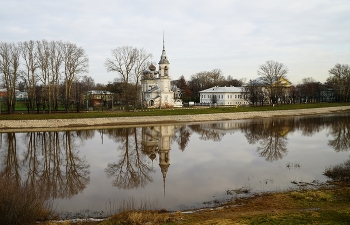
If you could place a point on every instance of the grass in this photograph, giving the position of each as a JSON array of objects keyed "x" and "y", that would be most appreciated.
[
  {"x": 327, "y": 205},
  {"x": 21, "y": 203},
  {"x": 164, "y": 112}
]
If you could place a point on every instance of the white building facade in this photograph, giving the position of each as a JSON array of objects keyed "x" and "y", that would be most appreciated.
[
  {"x": 156, "y": 89},
  {"x": 228, "y": 96}
]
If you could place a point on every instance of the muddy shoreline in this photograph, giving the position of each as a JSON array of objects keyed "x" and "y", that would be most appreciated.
[{"x": 114, "y": 122}]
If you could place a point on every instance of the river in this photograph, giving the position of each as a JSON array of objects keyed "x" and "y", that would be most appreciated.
[{"x": 174, "y": 166}]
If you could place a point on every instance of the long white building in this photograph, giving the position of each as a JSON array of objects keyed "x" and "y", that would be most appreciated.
[{"x": 223, "y": 96}]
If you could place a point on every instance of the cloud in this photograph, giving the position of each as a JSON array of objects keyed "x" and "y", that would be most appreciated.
[{"x": 234, "y": 36}]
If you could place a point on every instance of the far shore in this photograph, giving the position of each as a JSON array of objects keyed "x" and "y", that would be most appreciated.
[{"x": 114, "y": 122}]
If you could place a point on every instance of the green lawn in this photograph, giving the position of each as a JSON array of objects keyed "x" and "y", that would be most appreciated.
[{"x": 162, "y": 112}]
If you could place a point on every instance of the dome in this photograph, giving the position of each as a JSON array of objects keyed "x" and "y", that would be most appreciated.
[
  {"x": 152, "y": 67},
  {"x": 146, "y": 72},
  {"x": 152, "y": 156}
]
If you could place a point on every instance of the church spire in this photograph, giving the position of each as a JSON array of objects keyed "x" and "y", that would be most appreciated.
[
  {"x": 163, "y": 57},
  {"x": 163, "y": 42}
]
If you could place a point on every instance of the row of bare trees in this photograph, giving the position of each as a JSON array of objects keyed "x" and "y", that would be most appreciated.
[
  {"x": 46, "y": 70},
  {"x": 272, "y": 86}
]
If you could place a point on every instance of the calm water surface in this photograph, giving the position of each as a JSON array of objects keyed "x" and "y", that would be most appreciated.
[{"x": 174, "y": 167}]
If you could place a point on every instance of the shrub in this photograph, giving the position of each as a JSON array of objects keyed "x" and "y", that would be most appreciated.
[
  {"x": 21, "y": 204},
  {"x": 340, "y": 172}
]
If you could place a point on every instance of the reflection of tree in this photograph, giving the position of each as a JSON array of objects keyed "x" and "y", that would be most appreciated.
[
  {"x": 50, "y": 161},
  {"x": 206, "y": 134},
  {"x": 130, "y": 171},
  {"x": 11, "y": 162},
  {"x": 182, "y": 136},
  {"x": 271, "y": 135},
  {"x": 341, "y": 133},
  {"x": 273, "y": 147},
  {"x": 311, "y": 125}
]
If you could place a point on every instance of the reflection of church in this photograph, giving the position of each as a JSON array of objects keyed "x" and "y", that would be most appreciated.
[{"x": 157, "y": 140}]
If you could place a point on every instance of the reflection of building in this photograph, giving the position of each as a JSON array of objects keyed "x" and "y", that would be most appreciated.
[
  {"x": 222, "y": 127},
  {"x": 157, "y": 140}
]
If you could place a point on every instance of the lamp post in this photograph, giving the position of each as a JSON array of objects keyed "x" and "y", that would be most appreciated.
[{"x": 105, "y": 99}]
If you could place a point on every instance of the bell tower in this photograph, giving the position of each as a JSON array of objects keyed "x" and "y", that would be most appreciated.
[{"x": 164, "y": 69}]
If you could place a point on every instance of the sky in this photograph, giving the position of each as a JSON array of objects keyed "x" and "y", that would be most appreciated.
[{"x": 235, "y": 36}]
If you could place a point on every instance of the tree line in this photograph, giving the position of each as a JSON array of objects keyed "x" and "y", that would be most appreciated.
[
  {"x": 53, "y": 75},
  {"x": 47, "y": 71},
  {"x": 271, "y": 86}
]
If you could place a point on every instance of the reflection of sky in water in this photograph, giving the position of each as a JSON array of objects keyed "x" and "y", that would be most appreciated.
[{"x": 205, "y": 170}]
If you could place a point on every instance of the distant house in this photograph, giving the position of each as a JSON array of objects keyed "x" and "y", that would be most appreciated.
[
  {"x": 222, "y": 96},
  {"x": 20, "y": 95},
  {"x": 3, "y": 93},
  {"x": 98, "y": 98},
  {"x": 269, "y": 93}
]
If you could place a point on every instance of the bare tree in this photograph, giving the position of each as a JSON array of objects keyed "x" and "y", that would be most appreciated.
[
  {"x": 184, "y": 87},
  {"x": 340, "y": 79},
  {"x": 129, "y": 63},
  {"x": 310, "y": 90},
  {"x": 9, "y": 68},
  {"x": 43, "y": 50},
  {"x": 204, "y": 80},
  {"x": 141, "y": 64},
  {"x": 253, "y": 93},
  {"x": 30, "y": 56},
  {"x": 272, "y": 74},
  {"x": 230, "y": 81},
  {"x": 76, "y": 62},
  {"x": 56, "y": 64},
  {"x": 123, "y": 61}
]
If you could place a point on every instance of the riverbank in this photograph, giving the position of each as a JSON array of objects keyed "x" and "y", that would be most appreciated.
[
  {"x": 114, "y": 122},
  {"x": 327, "y": 205}
]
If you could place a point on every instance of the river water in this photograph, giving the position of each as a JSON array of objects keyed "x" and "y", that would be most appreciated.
[{"x": 174, "y": 166}]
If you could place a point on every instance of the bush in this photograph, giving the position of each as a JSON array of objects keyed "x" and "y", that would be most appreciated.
[
  {"x": 340, "y": 172},
  {"x": 21, "y": 204}
]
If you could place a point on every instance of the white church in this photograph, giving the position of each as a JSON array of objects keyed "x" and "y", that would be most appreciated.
[{"x": 156, "y": 90}]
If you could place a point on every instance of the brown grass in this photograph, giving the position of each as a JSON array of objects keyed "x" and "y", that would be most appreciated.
[{"x": 21, "y": 204}]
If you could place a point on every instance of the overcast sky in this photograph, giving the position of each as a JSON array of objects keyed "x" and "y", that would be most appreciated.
[{"x": 308, "y": 36}]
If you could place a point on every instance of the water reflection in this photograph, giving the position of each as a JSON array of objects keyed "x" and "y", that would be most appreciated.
[
  {"x": 131, "y": 170},
  {"x": 53, "y": 160},
  {"x": 49, "y": 160},
  {"x": 340, "y": 130},
  {"x": 271, "y": 134}
]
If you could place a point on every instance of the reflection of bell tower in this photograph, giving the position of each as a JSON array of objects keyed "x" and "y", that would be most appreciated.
[
  {"x": 158, "y": 140},
  {"x": 165, "y": 134},
  {"x": 150, "y": 142}
]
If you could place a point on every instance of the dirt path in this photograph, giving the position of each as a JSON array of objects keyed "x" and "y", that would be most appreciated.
[{"x": 70, "y": 124}]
